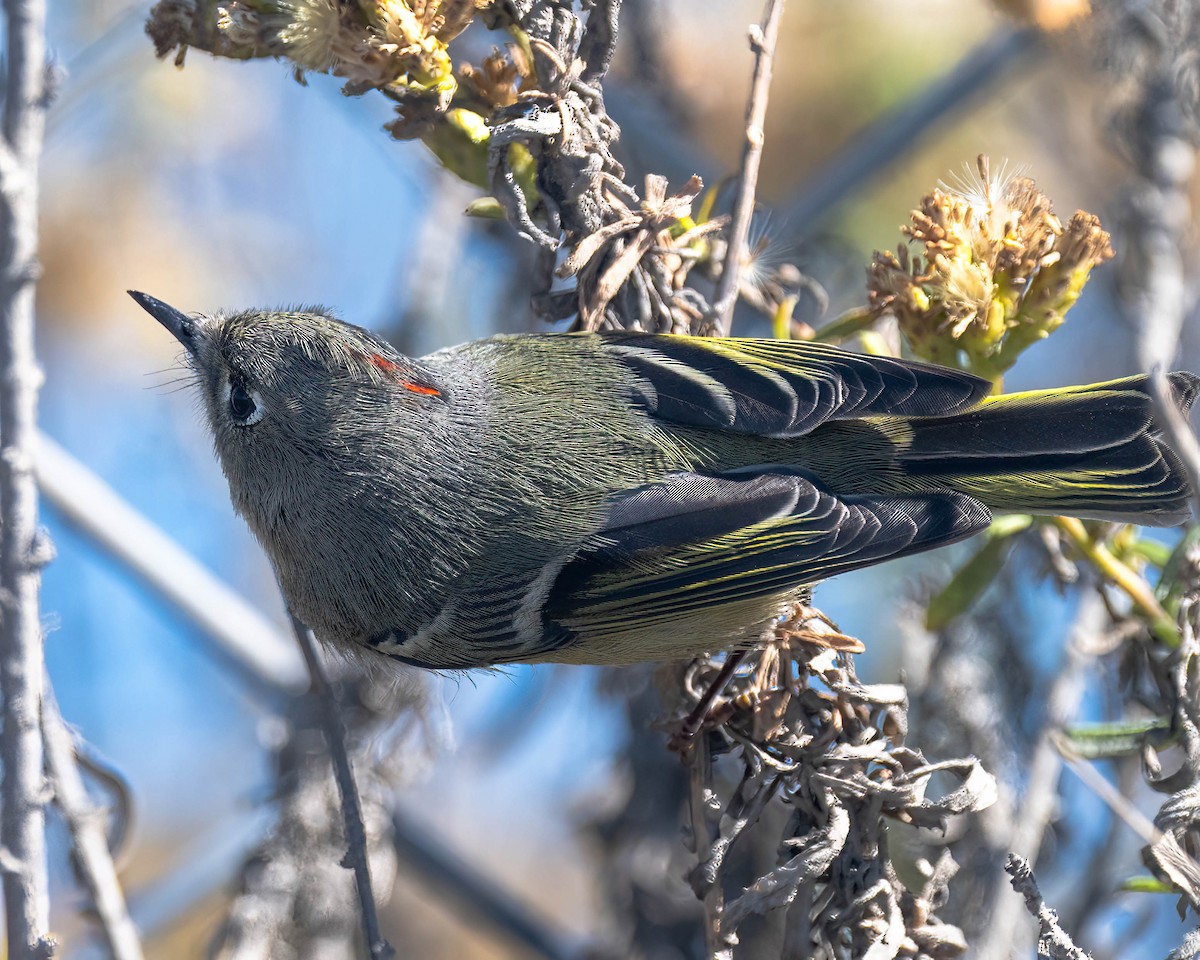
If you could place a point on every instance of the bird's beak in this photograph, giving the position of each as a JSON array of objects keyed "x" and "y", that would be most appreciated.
[{"x": 185, "y": 329}]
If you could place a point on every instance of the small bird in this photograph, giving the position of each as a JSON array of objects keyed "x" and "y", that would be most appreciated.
[{"x": 610, "y": 498}]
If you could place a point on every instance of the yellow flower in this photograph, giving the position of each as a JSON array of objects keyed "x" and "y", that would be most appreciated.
[
  {"x": 378, "y": 44},
  {"x": 994, "y": 271},
  {"x": 309, "y": 34}
]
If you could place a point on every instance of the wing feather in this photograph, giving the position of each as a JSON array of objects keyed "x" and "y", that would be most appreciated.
[
  {"x": 696, "y": 542},
  {"x": 781, "y": 387}
]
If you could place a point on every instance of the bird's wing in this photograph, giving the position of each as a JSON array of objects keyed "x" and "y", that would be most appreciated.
[
  {"x": 693, "y": 543},
  {"x": 780, "y": 388}
]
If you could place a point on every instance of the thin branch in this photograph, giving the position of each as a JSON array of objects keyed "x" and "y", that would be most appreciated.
[
  {"x": 85, "y": 823},
  {"x": 1179, "y": 435},
  {"x": 762, "y": 40},
  {"x": 1121, "y": 806},
  {"x": 356, "y": 835},
  {"x": 262, "y": 655},
  {"x": 23, "y": 546},
  {"x": 705, "y": 809},
  {"x": 1118, "y": 573},
  {"x": 1054, "y": 942}
]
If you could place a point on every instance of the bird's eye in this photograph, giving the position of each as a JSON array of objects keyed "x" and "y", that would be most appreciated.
[{"x": 245, "y": 405}]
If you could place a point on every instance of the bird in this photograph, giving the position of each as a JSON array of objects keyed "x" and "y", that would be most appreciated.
[{"x": 620, "y": 497}]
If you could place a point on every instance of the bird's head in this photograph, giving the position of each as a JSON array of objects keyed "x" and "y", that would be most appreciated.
[{"x": 287, "y": 392}]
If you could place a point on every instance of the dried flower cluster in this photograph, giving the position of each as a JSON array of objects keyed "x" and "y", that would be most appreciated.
[
  {"x": 497, "y": 81},
  {"x": 528, "y": 125},
  {"x": 461, "y": 134},
  {"x": 613, "y": 260},
  {"x": 995, "y": 271},
  {"x": 830, "y": 750},
  {"x": 397, "y": 46}
]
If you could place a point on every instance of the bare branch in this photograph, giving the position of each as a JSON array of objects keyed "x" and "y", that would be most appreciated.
[
  {"x": 704, "y": 810},
  {"x": 23, "y": 546},
  {"x": 1054, "y": 942},
  {"x": 85, "y": 823},
  {"x": 1180, "y": 436},
  {"x": 356, "y": 835},
  {"x": 762, "y": 40}
]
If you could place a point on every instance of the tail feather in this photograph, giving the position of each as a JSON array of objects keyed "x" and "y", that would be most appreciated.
[{"x": 1091, "y": 451}]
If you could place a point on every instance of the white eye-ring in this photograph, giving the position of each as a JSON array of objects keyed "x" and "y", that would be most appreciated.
[{"x": 245, "y": 405}]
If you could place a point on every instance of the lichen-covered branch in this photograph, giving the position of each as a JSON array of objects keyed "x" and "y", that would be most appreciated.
[
  {"x": 357, "y": 855},
  {"x": 1054, "y": 942},
  {"x": 24, "y": 547},
  {"x": 296, "y": 896}
]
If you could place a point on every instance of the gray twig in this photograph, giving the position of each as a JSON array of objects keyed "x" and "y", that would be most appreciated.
[
  {"x": 1180, "y": 436},
  {"x": 762, "y": 40},
  {"x": 1189, "y": 949},
  {"x": 1054, "y": 942},
  {"x": 1122, "y": 807},
  {"x": 24, "y": 548},
  {"x": 705, "y": 810},
  {"x": 356, "y": 835},
  {"x": 85, "y": 823},
  {"x": 599, "y": 40}
]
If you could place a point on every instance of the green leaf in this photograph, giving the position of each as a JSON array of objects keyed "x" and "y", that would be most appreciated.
[
  {"x": 1171, "y": 584},
  {"x": 1153, "y": 551},
  {"x": 1147, "y": 884},
  {"x": 976, "y": 575},
  {"x": 487, "y": 207},
  {"x": 1094, "y": 741},
  {"x": 849, "y": 324}
]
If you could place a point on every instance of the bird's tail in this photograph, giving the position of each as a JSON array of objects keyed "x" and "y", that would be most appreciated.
[{"x": 1090, "y": 451}]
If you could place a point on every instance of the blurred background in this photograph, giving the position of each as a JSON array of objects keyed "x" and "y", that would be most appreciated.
[{"x": 230, "y": 185}]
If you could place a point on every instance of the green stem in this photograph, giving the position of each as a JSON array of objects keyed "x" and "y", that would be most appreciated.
[{"x": 1129, "y": 582}]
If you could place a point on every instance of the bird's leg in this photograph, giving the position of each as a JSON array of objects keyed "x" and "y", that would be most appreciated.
[
  {"x": 682, "y": 739},
  {"x": 805, "y": 624}
]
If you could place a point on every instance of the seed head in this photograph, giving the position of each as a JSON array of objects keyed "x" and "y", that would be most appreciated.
[{"x": 994, "y": 271}]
